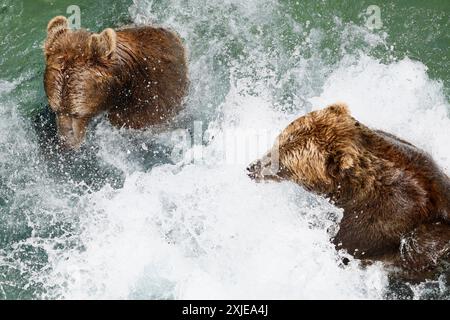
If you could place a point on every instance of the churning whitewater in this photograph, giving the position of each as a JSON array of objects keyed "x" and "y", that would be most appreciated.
[{"x": 173, "y": 214}]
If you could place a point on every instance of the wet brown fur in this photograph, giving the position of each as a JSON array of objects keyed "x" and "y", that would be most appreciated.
[
  {"x": 137, "y": 75},
  {"x": 396, "y": 199}
]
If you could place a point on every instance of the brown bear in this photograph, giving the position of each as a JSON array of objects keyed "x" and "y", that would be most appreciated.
[
  {"x": 138, "y": 75},
  {"x": 396, "y": 200}
]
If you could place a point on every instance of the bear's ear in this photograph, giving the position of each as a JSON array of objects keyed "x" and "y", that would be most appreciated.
[
  {"x": 103, "y": 45},
  {"x": 58, "y": 22},
  {"x": 339, "y": 108},
  {"x": 339, "y": 161},
  {"x": 55, "y": 28},
  {"x": 346, "y": 162}
]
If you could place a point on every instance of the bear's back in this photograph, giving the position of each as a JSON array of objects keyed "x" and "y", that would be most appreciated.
[
  {"x": 154, "y": 64},
  {"x": 420, "y": 164},
  {"x": 148, "y": 40}
]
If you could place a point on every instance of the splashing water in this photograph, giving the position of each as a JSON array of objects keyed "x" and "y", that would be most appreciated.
[{"x": 164, "y": 226}]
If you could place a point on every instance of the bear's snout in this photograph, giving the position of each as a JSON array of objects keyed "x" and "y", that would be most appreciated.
[
  {"x": 71, "y": 132},
  {"x": 264, "y": 169},
  {"x": 254, "y": 169}
]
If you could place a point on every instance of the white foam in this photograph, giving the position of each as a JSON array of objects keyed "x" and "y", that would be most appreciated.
[
  {"x": 211, "y": 233},
  {"x": 6, "y": 86}
]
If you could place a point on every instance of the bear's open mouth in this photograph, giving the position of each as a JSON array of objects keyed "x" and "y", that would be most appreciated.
[
  {"x": 263, "y": 170},
  {"x": 253, "y": 170}
]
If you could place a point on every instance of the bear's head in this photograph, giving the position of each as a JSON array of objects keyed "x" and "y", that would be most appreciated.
[
  {"x": 313, "y": 151},
  {"x": 78, "y": 79}
]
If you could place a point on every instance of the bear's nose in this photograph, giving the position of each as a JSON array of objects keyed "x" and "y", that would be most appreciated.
[
  {"x": 253, "y": 169},
  {"x": 68, "y": 142}
]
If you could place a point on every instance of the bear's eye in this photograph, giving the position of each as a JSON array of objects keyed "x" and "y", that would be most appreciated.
[
  {"x": 357, "y": 124},
  {"x": 60, "y": 113},
  {"x": 76, "y": 115}
]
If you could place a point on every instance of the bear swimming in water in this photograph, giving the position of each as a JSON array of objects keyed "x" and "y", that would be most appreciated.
[
  {"x": 137, "y": 75},
  {"x": 396, "y": 200}
]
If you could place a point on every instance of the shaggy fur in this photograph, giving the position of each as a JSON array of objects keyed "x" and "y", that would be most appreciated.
[
  {"x": 396, "y": 200},
  {"x": 137, "y": 75}
]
